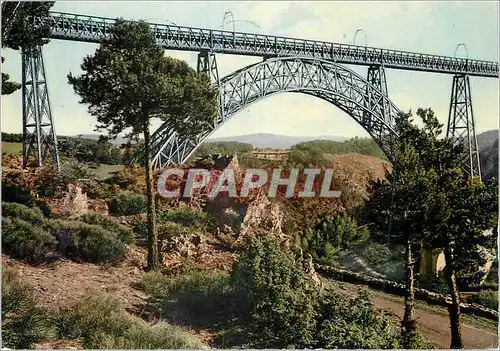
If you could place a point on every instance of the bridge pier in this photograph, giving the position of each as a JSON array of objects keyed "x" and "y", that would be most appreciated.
[
  {"x": 207, "y": 65},
  {"x": 461, "y": 126},
  {"x": 39, "y": 136}
]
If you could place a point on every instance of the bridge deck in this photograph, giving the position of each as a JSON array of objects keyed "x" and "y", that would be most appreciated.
[{"x": 95, "y": 29}]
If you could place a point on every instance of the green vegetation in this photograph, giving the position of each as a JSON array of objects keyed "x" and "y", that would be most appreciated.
[
  {"x": 12, "y": 148},
  {"x": 332, "y": 235},
  {"x": 82, "y": 241},
  {"x": 127, "y": 203},
  {"x": 99, "y": 322},
  {"x": 124, "y": 233},
  {"x": 23, "y": 321},
  {"x": 487, "y": 299},
  {"x": 311, "y": 152},
  {"x": 223, "y": 148},
  {"x": 93, "y": 321},
  {"x": 24, "y": 240}
]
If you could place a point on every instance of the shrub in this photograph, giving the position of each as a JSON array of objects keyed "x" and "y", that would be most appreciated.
[
  {"x": 33, "y": 215},
  {"x": 352, "y": 323},
  {"x": 488, "y": 299},
  {"x": 187, "y": 218},
  {"x": 23, "y": 321},
  {"x": 101, "y": 323},
  {"x": 124, "y": 233},
  {"x": 281, "y": 298},
  {"x": 200, "y": 297},
  {"x": 286, "y": 309},
  {"x": 23, "y": 240},
  {"x": 126, "y": 204},
  {"x": 434, "y": 283},
  {"x": 165, "y": 230},
  {"x": 92, "y": 243}
]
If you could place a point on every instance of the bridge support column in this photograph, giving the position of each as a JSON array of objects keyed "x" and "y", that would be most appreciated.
[
  {"x": 374, "y": 101},
  {"x": 207, "y": 64},
  {"x": 461, "y": 126},
  {"x": 39, "y": 137}
]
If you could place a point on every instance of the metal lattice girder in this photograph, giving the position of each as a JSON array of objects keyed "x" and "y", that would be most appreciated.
[
  {"x": 376, "y": 78},
  {"x": 461, "y": 123},
  {"x": 39, "y": 137},
  {"x": 95, "y": 29},
  {"x": 324, "y": 79}
]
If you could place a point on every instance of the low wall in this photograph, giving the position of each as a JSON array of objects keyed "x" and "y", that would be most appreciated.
[{"x": 399, "y": 289}]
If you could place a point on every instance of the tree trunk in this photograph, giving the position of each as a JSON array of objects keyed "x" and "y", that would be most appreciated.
[
  {"x": 409, "y": 329},
  {"x": 152, "y": 234},
  {"x": 454, "y": 308}
]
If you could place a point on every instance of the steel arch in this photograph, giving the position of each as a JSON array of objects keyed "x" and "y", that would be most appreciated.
[{"x": 326, "y": 80}]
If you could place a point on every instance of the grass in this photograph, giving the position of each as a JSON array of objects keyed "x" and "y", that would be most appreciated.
[
  {"x": 105, "y": 171},
  {"x": 12, "y": 148}
]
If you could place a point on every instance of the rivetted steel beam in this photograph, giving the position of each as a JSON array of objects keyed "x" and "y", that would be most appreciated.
[{"x": 67, "y": 26}]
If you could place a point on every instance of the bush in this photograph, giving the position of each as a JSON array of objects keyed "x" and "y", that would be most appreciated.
[
  {"x": 99, "y": 322},
  {"x": 127, "y": 204},
  {"x": 124, "y": 233},
  {"x": 165, "y": 230},
  {"x": 433, "y": 283},
  {"x": 23, "y": 321},
  {"x": 281, "y": 298},
  {"x": 187, "y": 218},
  {"x": 23, "y": 240},
  {"x": 92, "y": 243},
  {"x": 285, "y": 307},
  {"x": 33, "y": 215},
  {"x": 352, "y": 323},
  {"x": 488, "y": 299}
]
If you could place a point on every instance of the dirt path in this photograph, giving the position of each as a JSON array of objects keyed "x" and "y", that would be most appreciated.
[{"x": 435, "y": 327}]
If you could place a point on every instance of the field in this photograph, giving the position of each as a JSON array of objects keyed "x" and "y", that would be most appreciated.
[
  {"x": 104, "y": 171},
  {"x": 12, "y": 148}
]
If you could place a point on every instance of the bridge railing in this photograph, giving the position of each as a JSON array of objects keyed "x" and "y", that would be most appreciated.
[{"x": 96, "y": 29}]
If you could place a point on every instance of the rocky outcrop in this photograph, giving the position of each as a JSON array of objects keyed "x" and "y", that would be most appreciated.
[{"x": 399, "y": 289}]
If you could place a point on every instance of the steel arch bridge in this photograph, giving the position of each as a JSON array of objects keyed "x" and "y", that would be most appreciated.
[
  {"x": 367, "y": 103},
  {"x": 307, "y": 66}
]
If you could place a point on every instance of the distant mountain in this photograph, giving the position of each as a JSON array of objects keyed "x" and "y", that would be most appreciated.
[
  {"x": 275, "y": 141},
  {"x": 487, "y": 139},
  {"x": 487, "y": 143}
]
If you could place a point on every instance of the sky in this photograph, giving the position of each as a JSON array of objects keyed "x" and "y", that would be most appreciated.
[{"x": 430, "y": 27}]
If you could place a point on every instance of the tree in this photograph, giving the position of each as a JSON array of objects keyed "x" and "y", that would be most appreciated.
[
  {"x": 129, "y": 81},
  {"x": 19, "y": 32},
  {"x": 402, "y": 202}
]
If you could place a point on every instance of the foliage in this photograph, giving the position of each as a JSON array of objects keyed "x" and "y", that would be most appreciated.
[
  {"x": 350, "y": 323},
  {"x": 129, "y": 178},
  {"x": 100, "y": 322},
  {"x": 124, "y": 233},
  {"x": 25, "y": 240},
  {"x": 50, "y": 182},
  {"x": 126, "y": 204},
  {"x": 281, "y": 298},
  {"x": 331, "y": 235},
  {"x": 19, "y": 31},
  {"x": 223, "y": 148},
  {"x": 201, "y": 297},
  {"x": 488, "y": 299},
  {"x": 285, "y": 308},
  {"x": 82, "y": 241},
  {"x": 29, "y": 214},
  {"x": 23, "y": 321},
  {"x": 187, "y": 218},
  {"x": 434, "y": 283},
  {"x": 311, "y": 152}
]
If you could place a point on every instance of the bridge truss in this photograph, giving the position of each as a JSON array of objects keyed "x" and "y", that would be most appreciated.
[{"x": 295, "y": 65}]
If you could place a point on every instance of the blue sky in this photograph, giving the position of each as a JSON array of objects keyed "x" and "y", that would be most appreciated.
[{"x": 431, "y": 27}]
